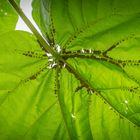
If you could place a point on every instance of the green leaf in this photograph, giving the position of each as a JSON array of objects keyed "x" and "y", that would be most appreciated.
[
  {"x": 88, "y": 89},
  {"x": 19, "y": 52},
  {"x": 72, "y": 24},
  {"x": 8, "y": 17}
]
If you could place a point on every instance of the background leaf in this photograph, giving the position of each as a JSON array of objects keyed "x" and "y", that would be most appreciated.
[{"x": 8, "y": 17}]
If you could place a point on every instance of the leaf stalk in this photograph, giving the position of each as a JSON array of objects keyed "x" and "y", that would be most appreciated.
[{"x": 42, "y": 41}]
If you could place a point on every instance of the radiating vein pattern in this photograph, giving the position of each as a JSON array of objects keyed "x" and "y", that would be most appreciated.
[{"x": 89, "y": 90}]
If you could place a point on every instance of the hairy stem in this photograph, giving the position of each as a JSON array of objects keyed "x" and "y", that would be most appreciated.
[{"x": 43, "y": 42}]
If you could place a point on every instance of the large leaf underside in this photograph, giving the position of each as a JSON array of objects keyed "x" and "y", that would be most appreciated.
[{"x": 94, "y": 95}]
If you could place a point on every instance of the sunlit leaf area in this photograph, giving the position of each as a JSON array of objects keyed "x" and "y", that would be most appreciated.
[{"x": 79, "y": 79}]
